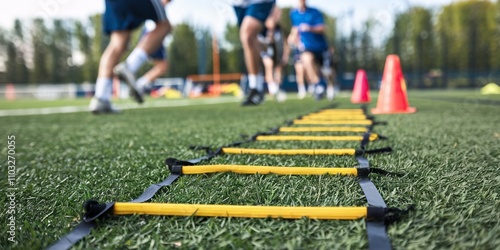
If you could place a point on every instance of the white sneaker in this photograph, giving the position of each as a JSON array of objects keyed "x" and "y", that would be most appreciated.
[
  {"x": 301, "y": 95},
  {"x": 97, "y": 106},
  {"x": 121, "y": 70},
  {"x": 330, "y": 93},
  {"x": 310, "y": 89},
  {"x": 280, "y": 96}
]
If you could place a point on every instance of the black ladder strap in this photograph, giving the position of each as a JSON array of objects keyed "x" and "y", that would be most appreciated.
[
  {"x": 67, "y": 241},
  {"x": 377, "y": 236},
  {"x": 375, "y": 229},
  {"x": 84, "y": 228}
]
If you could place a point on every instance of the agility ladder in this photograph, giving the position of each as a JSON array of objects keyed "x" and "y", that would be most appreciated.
[{"x": 376, "y": 214}]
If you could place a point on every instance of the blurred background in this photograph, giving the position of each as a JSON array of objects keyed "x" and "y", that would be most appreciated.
[{"x": 50, "y": 49}]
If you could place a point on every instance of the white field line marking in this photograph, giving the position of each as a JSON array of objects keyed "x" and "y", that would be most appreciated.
[{"x": 127, "y": 106}]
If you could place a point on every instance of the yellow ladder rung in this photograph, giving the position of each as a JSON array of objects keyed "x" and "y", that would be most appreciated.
[
  {"x": 243, "y": 169},
  {"x": 240, "y": 151},
  {"x": 333, "y": 118},
  {"x": 324, "y": 129},
  {"x": 312, "y": 138},
  {"x": 200, "y": 210},
  {"x": 339, "y": 122}
]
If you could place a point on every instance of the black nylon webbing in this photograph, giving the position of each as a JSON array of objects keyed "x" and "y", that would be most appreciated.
[
  {"x": 377, "y": 236},
  {"x": 376, "y": 230},
  {"x": 67, "y": 241},
  {"x": 84, "y": 228},
  {"x": 151, "y": 190}
]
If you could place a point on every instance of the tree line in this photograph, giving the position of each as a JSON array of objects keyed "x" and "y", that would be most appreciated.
[{"x": 457, "y": 45}]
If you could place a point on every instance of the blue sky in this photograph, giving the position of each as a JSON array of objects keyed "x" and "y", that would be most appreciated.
[{"x": 214, "y": 13}]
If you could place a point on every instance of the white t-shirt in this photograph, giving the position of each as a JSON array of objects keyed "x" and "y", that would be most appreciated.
[{"x": 245, "y": 3}]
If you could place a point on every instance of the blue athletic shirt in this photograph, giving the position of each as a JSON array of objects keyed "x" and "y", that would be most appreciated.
[
  {"x": 246, "y": 3},
  {"x": 313, "y": 42}
]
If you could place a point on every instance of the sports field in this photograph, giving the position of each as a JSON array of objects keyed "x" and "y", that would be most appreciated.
[{"x": 449, "y": 152}]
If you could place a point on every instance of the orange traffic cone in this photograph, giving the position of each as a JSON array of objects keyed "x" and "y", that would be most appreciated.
[
  {"x": 392, "y": 97},
  {"x": 361, "y": 91}
]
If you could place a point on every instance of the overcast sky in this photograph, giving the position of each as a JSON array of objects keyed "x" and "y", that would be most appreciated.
[{"x": 212, "y": 13}]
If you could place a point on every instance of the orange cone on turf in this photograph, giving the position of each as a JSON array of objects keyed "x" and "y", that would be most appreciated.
[
  {"x": 361, "y": 91},
  {"x": 392, "y": 98}
]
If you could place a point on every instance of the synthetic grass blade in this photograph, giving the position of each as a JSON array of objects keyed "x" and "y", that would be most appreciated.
[
  {"x": 239, "y": 151},
  {"x": 165, "y": 209},
  {"x": 372, "y": 137}
]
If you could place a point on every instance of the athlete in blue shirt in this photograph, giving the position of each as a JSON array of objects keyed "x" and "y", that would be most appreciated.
[
  {"x": 252, "y": 15},
  {"x": 309, "y": 24},
  {"x": 120, "y": 18}
]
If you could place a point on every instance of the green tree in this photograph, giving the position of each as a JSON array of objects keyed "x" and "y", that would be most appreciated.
[
  {"x": 3, "y": 45},
  {"x": 99, "y": 43},
  {"x": 413, "y": 40},
  {"x": 21, "y": 72},
  {"x": 285, "y": 21},
  {"x": 182, "y": 51},
  {"x": 61, "y": 51},
  {"x": 331, "y": 29},
  {"x": 40, "y": 40},
  {"x": 234, "y": 56},
  {"x": 11, "y": 66},
  {"x": 89, "y": 72},
  {"x": 467, "y": 35},
  {"x": 423, "y": 43}
]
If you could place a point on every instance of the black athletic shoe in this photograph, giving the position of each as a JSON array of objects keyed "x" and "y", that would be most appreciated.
[{"x": 253, "y": 98}]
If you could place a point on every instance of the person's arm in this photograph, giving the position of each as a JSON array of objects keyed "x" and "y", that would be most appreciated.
[
  {"x": 286, "y": 54},
  {"x": 292, "y": 38},
  {"x": 316, "y": 25},
  {"x": 318, "y": 29}
]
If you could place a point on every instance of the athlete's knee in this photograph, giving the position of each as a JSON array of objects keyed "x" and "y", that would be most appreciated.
[
  {"x": 164, "y": 27},
  {"x": 248, "y": 38},
  {"x": 249, "y": 31},
  {"x": 118, "y": 45}
]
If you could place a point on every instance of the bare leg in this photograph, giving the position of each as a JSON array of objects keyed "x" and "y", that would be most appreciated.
[
  {"x": 113, "y": 52},
  {"x": 269, "y": 70},
  {"x": 153, "y": 40},
  {"x": 160, "y": 68},
  {"x": 250, "y": 28},
  {"x": 310, "y": 67},
  {"x": 299, "y": 75},
  {"x": 278, "y": 73}
]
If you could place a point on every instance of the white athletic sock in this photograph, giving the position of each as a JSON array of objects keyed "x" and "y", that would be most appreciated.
[
  {"x": 260, "y": 82},
  {"x": 302, "y": 89},
  {"x": 104, "y": 89},
  {"x": 330, "y": 91},
  {"x": 310, "y": 88},
  {"x": 136, "y": 59},
  {"x": 252, "y": 81},
  {"x": 273, "y": 88}
]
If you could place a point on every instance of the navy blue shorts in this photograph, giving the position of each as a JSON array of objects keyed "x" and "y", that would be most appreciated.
[
  {"x": 123, "y": 15},
  {"x": 160, "y": 54},
  {"x": 319, "y": 56},
  {"x": 258, "y": 11}
]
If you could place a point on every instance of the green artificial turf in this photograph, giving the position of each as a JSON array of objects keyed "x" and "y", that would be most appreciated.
[{"x": 448, "y": 151}]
